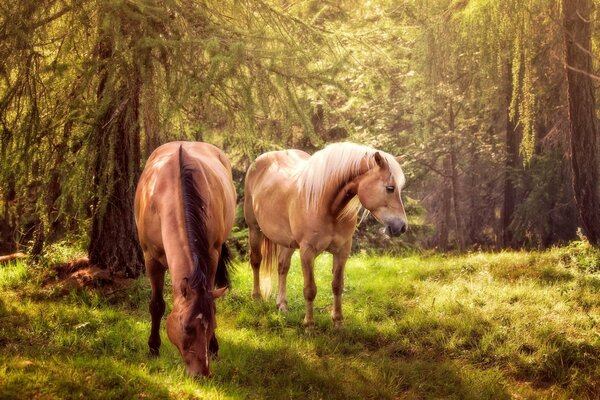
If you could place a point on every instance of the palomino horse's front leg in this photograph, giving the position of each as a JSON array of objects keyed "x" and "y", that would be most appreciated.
[
  {"x": 337, "y": 284},
  {"x": 255, "y": 238},
  {"x": 307, "y": 256},
  {"x": 156, "y": 274},
  {"x": 285, "y": 257}
]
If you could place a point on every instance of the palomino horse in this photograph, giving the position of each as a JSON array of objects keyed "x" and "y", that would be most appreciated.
[
  {"x": 184, "y": 210},
  {"x": 293, "y": 200}
]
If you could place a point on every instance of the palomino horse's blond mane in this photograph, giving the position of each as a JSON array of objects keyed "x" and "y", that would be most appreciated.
[{"x": 336, "y": 164}]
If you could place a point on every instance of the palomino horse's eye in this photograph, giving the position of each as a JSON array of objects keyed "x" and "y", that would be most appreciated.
[{"x": 390, "y": 189}]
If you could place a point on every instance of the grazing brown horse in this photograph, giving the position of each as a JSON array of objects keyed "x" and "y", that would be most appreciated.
[
  {"x": 184, "y": 210},
  {"x": 293, "y": 200}
]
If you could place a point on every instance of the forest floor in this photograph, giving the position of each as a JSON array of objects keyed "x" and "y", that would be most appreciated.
[{"x": 522, "y": 325}]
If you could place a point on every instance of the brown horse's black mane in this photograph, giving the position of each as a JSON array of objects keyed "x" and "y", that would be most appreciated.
[{"x": 194, "y": 209}]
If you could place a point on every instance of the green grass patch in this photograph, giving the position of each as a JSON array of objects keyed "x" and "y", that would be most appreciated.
[{"x": 475, "y": 326}]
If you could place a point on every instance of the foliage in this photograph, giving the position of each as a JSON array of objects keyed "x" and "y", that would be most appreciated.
[
  {"x": 480, "y": 325},
  {"x": 444, "y": 83}
]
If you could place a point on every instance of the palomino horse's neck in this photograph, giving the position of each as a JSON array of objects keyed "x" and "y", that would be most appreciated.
[{"x": 340, "y": 198}]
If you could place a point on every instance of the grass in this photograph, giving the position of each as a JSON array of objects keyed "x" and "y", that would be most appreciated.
[{"x": 521, "y": 325}]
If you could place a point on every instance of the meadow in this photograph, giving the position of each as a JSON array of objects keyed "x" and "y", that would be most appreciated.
[{"x": 513, "y": 324}]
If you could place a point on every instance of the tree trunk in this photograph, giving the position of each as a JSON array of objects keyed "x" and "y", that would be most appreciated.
[
  {"x": 584, "y": 140},
  {"x": 474, "y": 217},
  {"x": 452, "y": 171},
  {"x": 150, "y": 110},
  {"x": 446, "y": 212},
  {"x": 510, "y": 167},
  {"x": 113, "y": 241}
]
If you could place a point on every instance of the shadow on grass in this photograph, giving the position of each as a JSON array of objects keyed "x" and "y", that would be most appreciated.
[
  {"x": 283, "y": 371},
  {"x": 78, "y": 377}
]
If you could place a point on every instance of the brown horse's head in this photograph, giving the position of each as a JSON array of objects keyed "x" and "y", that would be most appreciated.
[
  {"x": 379, "y": 192},
  {"x": 190, "y": 329}
]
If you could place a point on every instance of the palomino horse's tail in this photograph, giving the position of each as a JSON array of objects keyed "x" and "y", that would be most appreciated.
[{"x": 270, "y": 253}]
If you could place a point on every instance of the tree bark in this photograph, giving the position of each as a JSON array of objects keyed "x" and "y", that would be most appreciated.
[
  {"x": 510, "y": 167},
  {"x": 113, "y": 240},
  {"x": 584, "y": 142},
  {"x": 452, "y": 171},
  {"x": 150, "y": 109},
  {"x": 446, "y": 210}
]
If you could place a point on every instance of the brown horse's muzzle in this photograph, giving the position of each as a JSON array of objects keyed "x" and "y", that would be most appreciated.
[
  {"x": 197, "y": 367},
  {"x": 191, "y": 345}
]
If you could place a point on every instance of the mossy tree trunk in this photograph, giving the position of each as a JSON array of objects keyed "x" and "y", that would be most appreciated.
[
  {"x": 113, "y": 240},
  {"x": 584, "y": 141}
]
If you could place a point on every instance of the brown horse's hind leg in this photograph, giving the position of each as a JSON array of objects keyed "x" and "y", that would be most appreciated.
[
  {"x": 255, "y": 238},
  {"x": 285, "y": 256},
  {"x": 337, "y": 284},
  {"x": 213, "y": 344},
  {"x": 307, "y": 256},
  {"x": 156, "y": 274}
]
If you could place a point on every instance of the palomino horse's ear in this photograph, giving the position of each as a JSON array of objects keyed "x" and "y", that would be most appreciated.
[
  {"x": 184, "y": 287},
  {"x": 218, "y": 292},
  {"x": 379, "y": 160}
]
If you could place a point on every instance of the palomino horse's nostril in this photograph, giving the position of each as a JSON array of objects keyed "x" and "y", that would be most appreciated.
[{"x": 403, "y": 228}]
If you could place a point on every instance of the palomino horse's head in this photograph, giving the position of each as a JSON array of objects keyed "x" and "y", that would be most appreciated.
[
  {"x": 192, "y": 329},
  {"x": 379, "y": 192}
]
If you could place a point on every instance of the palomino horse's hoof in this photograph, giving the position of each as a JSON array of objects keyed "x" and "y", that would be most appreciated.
[
  {"x": 282, "y": 308},
  {"x": 256, "y": 296},
  {"x": 309, "y": 325}
]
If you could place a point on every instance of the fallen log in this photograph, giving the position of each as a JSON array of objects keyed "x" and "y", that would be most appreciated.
[{"x": 11, "y": 257}]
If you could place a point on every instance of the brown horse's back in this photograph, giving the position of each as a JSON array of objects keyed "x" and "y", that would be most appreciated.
[{"x": 159, "y": 213}]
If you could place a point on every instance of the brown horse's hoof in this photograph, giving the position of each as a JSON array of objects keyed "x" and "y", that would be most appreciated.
[{"x": 153, "y": 353}]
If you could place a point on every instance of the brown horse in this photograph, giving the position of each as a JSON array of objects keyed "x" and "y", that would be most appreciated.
[
  {"x": 293, "y": 200},
  {"x": 184, "y": 210}
]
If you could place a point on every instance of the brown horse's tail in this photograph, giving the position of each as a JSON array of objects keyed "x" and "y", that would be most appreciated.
[
  {"x": 223, "y": 266},
  {"x": 270, "y": 253}
]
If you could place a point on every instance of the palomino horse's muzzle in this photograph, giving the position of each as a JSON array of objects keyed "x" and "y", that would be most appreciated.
[{"x": 395, "y": 227}]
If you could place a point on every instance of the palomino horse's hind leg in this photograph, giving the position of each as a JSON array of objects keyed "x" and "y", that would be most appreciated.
[
  {"x": 255, "y": 238},
  {"x": 307, "y": 256},
  {"x": 337, "y": 284},
  {"x": 285, "y": 257},
  {"x": 156, "y": 274}
]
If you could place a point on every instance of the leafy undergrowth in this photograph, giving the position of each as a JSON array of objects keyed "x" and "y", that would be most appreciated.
[{"x": 478, "y": 326}]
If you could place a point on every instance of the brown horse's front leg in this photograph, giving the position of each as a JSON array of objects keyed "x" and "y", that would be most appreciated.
[
  {"x": 337, "y": 284},
  {"x": 213, "y": 347},
  {"x": 156, "y": 274},
  {"x": 307, "y": 257}
]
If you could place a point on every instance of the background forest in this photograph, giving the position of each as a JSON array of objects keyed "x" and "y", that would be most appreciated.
[{"x": 472, "y": 94}]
